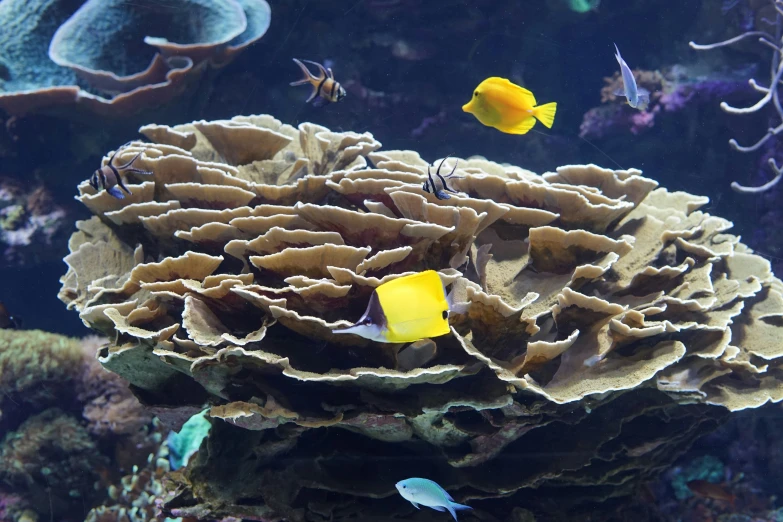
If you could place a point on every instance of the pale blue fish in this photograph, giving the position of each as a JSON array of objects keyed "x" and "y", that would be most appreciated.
[
  {"x": 637, "y": 97},
  {"x": 428, "y": 493}
]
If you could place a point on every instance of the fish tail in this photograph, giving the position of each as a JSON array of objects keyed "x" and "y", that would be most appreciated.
[
  {"x": 545, "y": 114},
  {"x": 453, "y": 507}
]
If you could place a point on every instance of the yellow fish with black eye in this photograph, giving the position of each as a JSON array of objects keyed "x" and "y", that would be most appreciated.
[
  {"x": 508, "y": 107},
  {"x": 405, "y": 310}
]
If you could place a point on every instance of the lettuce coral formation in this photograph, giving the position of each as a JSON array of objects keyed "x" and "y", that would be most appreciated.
[{"x": 604, "y": 316}]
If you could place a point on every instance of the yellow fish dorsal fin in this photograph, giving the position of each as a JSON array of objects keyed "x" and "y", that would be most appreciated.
[
  {"x": 506, "y": 86},
  {"x": 415, "y": 307}
]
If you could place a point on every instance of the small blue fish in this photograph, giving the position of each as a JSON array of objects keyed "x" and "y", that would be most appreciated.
[
  {"x": 637, "y": 97},
  {"x": 428, "y": 493}
]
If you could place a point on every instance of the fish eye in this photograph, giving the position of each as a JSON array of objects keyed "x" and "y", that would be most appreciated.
[
  {"x": 403, "y": 487},
  {"x": 475, "y": 94},
  {"x": 445, "y": 314}
]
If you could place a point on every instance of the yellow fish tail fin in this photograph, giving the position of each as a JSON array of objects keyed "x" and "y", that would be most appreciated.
[
  {"x": 522, "y": 127},
  {"x": 546, "y": 114}
]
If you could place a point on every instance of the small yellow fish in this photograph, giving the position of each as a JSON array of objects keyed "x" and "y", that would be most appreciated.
[
  {"x": 508, "y": 107},
  {"x": 405, "y": 310}
]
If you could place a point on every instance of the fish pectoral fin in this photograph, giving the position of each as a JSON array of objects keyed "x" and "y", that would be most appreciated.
[
  {"x": 545, "y": 114},
  {"x": 520, "y": 128},
  {"x": 438, "y": 508},
  {"x": 415, "y": 504},
  {"x": 619, "y": 92}
]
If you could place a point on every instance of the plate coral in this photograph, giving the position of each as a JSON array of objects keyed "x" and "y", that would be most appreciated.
[{"x": 607, "y": 321}]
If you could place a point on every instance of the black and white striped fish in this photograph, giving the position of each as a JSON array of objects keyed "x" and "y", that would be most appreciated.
[
  {"x": 431, "y": 185},
  {"x": 324, "y": 85},
  {"x": 109, "y": 176}
]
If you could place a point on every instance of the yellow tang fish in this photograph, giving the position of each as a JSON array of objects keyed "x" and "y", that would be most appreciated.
[
  {"x": 405, "y": 310},
  {"x": 508, "y": 107}
]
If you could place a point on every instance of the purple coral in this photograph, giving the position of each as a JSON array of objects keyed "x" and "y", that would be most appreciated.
[
  {"x": 603, "y": 121},
  {"x": 683, "y": 88}
]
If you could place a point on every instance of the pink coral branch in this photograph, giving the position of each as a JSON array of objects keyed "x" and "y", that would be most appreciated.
[
  {"x": 756, "y": 146},
  {"x": 770, "y": 93},
  {"x": 759, "y": 104},
  {"x": 730, "y": 41},
  {"x": 736, "y": 187}
]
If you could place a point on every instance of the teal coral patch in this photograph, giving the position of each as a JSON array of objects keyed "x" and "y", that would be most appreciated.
[
  {"x": 184, "y": 444},
  {"x": 706, "y": 468}
]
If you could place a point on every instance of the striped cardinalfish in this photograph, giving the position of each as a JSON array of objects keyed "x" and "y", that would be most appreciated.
[
  {"x": 324, "y": 85},
  {"x": 109, "y": 176}
]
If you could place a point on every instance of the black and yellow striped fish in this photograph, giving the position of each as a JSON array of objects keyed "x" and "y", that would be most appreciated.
[{"x": 324, "y": 85}]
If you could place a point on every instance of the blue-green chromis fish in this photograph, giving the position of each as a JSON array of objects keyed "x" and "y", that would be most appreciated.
[
  {"x": 637, "y": 97},
  {"x": 428, "y": 493}
]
